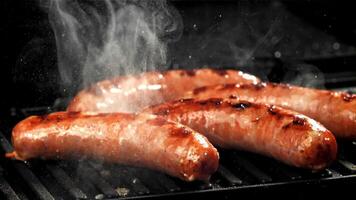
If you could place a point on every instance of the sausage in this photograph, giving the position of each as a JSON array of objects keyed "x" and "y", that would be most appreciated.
[
  {"x": 138, "y": 140},
  {"x": 269, "y": 130},
  {"x": 335, "y": 110},
  {"x": 134, "y": 92}
]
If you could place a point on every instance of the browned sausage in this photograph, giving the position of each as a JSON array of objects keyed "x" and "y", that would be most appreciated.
[
  {"x": 143, "y": 140},
  {"x": 269, "y": 130},
  {"x": 335, "y": 110},
  {"x": 132, "y": 93}
]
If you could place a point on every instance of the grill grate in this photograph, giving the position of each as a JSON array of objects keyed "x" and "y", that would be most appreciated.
[{"x": 238, "y": 172}]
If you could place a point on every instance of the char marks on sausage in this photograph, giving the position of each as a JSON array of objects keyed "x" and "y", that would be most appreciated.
[
  {"x": 269, "y": 130},
  {"x": 134, "y": 92},
  {"x": 140, "y": 140},
  {"x": 335, "y": 110}
]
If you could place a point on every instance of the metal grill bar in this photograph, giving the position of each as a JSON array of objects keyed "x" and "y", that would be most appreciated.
[
  {"x": 89, "y": 174},
  {"x": 348, "y": 165},
  {"x": 167, "y": 183},
  {"x": 121, "y": 179},
  {"x": 229, "y": 176},
  {"x": 6, "y": 189},
  {"x": 32, "y": 181},
  {"x": 252, "y": 169},
  {"x": 66, "y": 181}
]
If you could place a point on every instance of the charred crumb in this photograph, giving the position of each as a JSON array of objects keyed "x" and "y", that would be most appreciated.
[
  {"x": 185, "y": 100},
  {"x": 287, "y": 125},
  {"x": 214, "y": 101},
  {"x": 218, "y": 102},
  {"x": 52, "y": 117},
  {"x": 158, "y": 121},
  {"x": 255, "y": 86},
  {"x": 73, "y": 114},
  {"x": 163, "y": 112},
  {"x": 220, "y": 72},
  {"x": 228, "y": 86},
  {"x": 182, "y": 100},
  {"x": 241, "y": 105},
  {"x": 43, "y": 117},
  {"x": 348, "y": 97},
  {"x": 297, "y": 121},
  {"x": 181, "y": 132},
  {"x": 272, "y": 110},
  {"x": 202, "y": 103},
  {"x": 259, "y": 85},
  {"x": 245, "y": 86},
  {"x": 232, "y": 97},
  {"x": 189, "y": 72},
  {"x": 199, "y": 90},
  {"x": 58, "y": 118}
]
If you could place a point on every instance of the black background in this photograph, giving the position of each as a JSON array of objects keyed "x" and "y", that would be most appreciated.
[
  {"x": 29, "y": 75},
  {"x": 28, "y": 71}
]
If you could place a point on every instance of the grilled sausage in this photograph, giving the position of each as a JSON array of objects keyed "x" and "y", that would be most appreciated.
[
  {"x": 335, "y": 110},
  {"x": 269, "y": 130},
  {"x": 132, "y": 93},
  {"x": 142, "y": 140}
]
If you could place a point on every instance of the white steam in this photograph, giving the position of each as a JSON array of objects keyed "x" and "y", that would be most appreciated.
[{"x": 98, "y": 39}]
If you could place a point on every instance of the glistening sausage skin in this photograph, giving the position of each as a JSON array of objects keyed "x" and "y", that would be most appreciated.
[
  {"x": 138, "y": 140},
  {"x": 133, "y": 92},
  {"x": 335, "y": 110},
  {"x": 285, "y": 135}
]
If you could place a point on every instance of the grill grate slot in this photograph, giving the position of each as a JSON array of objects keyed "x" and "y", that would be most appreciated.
[
  {"x": 89, "y": 174},
  {"x": 248, "y": 166},
  {"x": 290, "y": 173},
  {"x": 348, "y": 165},
  {"x": 86, "y": 186},
  {"x": 229, "y": 176},
  {"x": 137, "y": 186},
  {"x": 148, "y": 178},
  {"x": 65, "y": 181},
  {"x": 166, "y": 183},
  {"x": 6, "y": 189},
  {"x": 32, "y": 181},
  {"x": 123, "y": 180},
  {"x": 52, "y": 184}
]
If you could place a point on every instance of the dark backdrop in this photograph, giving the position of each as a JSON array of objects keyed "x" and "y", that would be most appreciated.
[{"x": 290, "y": 30}]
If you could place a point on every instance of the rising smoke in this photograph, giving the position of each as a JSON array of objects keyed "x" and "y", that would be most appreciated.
[{"x": 99, "y": 39}]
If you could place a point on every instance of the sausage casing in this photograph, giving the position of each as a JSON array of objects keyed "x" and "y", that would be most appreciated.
[
  {"x": 285, "y": 135},
  {"x": 134, "y": 92},
  {"x": 138, "y": 140},
  {"x": 335, "y": 110}
]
